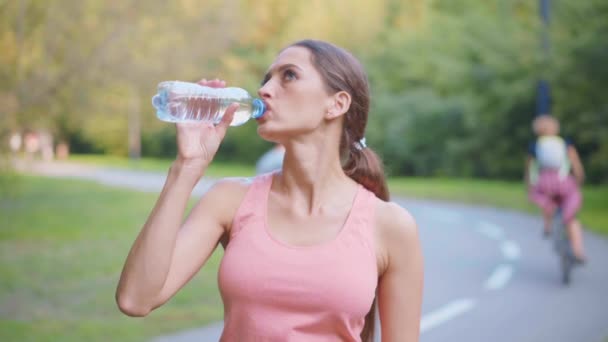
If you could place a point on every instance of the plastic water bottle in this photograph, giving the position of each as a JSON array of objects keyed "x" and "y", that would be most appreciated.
[{"x": 178, "y": 101}]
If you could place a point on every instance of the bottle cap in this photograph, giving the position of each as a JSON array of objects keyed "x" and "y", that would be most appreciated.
[{"x": 258, "y": 108}]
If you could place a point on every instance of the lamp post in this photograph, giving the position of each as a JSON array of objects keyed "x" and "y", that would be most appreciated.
[{"x": 543, "y": 96}]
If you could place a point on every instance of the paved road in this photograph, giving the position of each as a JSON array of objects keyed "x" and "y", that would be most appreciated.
[{"x": 488, "y": 274}]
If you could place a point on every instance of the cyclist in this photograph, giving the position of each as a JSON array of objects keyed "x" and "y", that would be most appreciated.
[{"x": 554, "y": 174}]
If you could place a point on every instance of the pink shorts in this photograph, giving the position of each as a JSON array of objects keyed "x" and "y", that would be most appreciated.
[{"x": 549, "y": 187}]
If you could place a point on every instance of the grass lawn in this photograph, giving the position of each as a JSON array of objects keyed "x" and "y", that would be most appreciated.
[
  {"x": 161, "y": 165},
  {"x": 509, "y": 195},
  {"x": 62, "y": 245}
]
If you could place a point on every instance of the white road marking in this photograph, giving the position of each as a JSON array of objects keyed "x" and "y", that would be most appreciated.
[
  {"x": 490, "y": 230},
  {"x": 510, "y": 250},
  {"x": 499, "y": 278},
  {"x": 446, "y": 313}
]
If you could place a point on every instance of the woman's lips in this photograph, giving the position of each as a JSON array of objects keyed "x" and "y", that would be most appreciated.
[
  {"x": 264, "y": 117},
  {"x": 267, "y": 109}
]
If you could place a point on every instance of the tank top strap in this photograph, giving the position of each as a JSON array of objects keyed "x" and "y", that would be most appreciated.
[
  {"x": 361, "y": 220},
  {"x": 252, "y": 206}
]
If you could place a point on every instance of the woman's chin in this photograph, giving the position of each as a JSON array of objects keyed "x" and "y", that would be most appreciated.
[{"x": 266, "y": 132}]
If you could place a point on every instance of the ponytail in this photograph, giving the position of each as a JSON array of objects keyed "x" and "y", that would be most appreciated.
[{"x": 365, "y": 167}]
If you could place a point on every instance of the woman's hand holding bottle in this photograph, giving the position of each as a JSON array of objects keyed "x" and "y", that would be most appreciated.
[{"x": 198, "y": 142}]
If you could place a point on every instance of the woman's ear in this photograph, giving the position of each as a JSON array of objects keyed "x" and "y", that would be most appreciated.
[{"x": 339, "y": 105}]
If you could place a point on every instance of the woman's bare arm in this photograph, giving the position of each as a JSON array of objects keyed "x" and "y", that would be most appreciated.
[
  {"x": 169, "y": 251},
  {"x": 401, "y": 281},
  {"x": 577, "y": 166}
]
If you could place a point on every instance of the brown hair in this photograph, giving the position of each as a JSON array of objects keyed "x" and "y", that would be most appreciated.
[{"x": 341, "y": 71}]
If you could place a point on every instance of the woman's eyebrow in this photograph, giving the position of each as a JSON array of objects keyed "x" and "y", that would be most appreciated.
[{"x": 279, "y": 69}]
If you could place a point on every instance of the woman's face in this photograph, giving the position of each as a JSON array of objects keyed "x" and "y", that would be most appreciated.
[{"x": 294, "y": 94}]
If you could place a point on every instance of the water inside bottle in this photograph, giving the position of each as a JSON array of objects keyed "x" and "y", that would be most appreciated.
[
  {"x": 189, "y": 109},
  {"x": 242, "y": 114},
  {"x": 182, "y": 106}
]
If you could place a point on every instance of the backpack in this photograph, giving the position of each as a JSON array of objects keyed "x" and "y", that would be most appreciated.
[{"x": 551, "y": 152}]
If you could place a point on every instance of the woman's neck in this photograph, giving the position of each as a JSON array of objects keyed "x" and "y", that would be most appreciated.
[{"x": 312, "y": 176}]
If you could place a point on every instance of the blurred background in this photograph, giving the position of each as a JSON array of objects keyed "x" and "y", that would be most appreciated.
[
  {"x": 455, "y": 86},
  {"x": 454, "y": 83}
]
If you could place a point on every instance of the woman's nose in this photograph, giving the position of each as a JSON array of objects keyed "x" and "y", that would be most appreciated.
[{"x": 265, "y": 92}]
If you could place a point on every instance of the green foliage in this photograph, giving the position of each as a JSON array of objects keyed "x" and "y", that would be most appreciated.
[
  {"x": 159, "y": 143},
  {"x": 581, "y": 52},
  {"x": 453, "y": 81},
  {"x": 456, "y": 100}
]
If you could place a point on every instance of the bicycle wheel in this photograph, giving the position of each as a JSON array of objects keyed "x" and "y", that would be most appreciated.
[
  {"x": 566, "y": 265},
  {"x": 562, "y": 247}
]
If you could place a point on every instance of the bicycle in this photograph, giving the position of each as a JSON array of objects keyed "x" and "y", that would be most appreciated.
[{"x": 562, "y": 246}]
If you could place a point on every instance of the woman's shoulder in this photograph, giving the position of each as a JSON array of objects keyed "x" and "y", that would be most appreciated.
[
  {"x": 396, "y": 233},
  {"x": 225, "y": 195},
  {"x": 233, "y": 188},
  {"x": 394, "y": 221}
]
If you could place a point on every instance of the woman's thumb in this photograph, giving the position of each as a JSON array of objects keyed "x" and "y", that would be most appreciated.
[{"x": 227, "y": 118}]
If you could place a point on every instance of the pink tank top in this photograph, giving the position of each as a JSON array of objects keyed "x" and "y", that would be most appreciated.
[{"x": 273, "y": 291}]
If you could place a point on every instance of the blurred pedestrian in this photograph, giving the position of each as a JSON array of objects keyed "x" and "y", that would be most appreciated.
[{"x": 15, "y": 142}]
